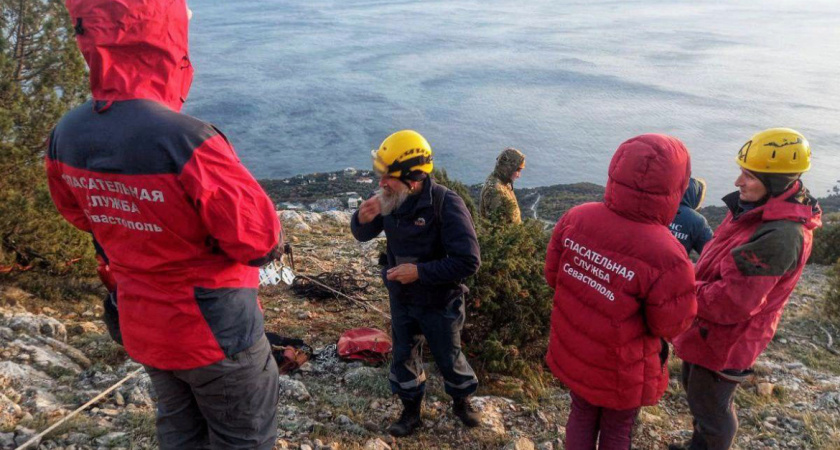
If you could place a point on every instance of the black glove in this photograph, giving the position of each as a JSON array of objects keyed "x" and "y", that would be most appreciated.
[{"x": 111, "y": 317}]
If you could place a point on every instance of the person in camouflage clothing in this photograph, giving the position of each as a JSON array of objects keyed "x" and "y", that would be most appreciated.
[{"x": 497, "y": 201}]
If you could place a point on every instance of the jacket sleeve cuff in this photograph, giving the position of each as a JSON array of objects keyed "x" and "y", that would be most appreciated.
[
  {"x": 364, "y": 232},
  {"x": 423, "y": 274}
]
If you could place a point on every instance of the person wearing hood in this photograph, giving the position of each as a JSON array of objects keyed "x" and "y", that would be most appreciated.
[
  {"x": 180, "y": 224},
  {"x": 744, "y": 279},
  {"x": 498, "y": 201},
  {"x": 689, "y": 226},
  {"x": 622, "y": 287}
]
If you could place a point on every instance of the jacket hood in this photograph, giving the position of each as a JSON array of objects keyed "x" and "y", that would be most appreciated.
[
  {"x": 135, "y": 49},
  {"x": 507, "y": 163},
  {"x": 796, "y": 205},
  {"x": 647, "y": 178},
  {"x": 694, "y": 194}
]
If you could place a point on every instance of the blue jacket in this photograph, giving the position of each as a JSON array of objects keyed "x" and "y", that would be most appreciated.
[
  {"x": 689, "y": 226},
  {"x": 443, "y": 245}
]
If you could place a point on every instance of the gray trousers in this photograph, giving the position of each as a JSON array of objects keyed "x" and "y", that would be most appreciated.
[
  {"x": 411, "y": 325},
  {"x": 710, "y": 401},
  {"x": 231, "y": 404}
]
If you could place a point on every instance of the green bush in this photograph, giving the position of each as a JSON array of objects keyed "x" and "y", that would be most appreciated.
[
  {"x": 442, "y": 178},
  {"x": 832, "y": 297},
  {"x": 509, "y": 305},
  {"x": 826, "y": 248},
  {"x": 510, "y": 302},
  {"x": 42, "y": 75}
]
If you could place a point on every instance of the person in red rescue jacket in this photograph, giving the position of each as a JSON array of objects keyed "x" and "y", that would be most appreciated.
[
  {"x": 744, "y": 278},
  {"x": 180, "y": 222},
  {"x": 623, "y": 284}
]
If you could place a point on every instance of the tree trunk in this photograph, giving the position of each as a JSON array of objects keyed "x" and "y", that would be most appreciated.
[{"x": 20, "y": 42}]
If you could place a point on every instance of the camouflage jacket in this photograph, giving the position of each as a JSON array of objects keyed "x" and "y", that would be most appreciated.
[{"x": 497, "y": 201}]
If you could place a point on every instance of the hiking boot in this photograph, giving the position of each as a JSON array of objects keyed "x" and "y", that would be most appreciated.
[
  {"x": 464, "y": 410},
  {"x": 683, "y": 446},
  {"x": 409, "y": 419}
]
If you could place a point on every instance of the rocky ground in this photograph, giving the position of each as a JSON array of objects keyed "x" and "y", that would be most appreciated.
[{"x": 56, "y": 356}]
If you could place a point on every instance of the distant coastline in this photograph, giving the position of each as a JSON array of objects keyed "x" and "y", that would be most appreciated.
[{"x": 344, "y": 189}]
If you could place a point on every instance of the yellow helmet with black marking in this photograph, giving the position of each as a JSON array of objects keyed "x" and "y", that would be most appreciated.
[
  {"x": 776, "y": 150},
  {"x": 405, "y": 155}
]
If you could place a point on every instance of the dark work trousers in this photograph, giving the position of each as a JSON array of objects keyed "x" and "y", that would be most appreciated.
[
  {"x": 441, "y": 328},
  {"x": 587, "y": 424},
  {"x": 231, "y": 404},
  {"x": 710, "y": 402}
]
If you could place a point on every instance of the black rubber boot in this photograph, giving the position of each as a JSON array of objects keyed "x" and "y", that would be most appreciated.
[
  {"x": 464, "y": 410},
  {"x": 409, "y": 419}
]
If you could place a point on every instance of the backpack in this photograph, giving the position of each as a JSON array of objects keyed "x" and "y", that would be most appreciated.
[
  {"x": 290, "y": 353},
  {"x": 367, "y": 344}
]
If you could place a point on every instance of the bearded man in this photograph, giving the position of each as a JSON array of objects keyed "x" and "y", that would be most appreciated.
[{"x": 431, "y": 248}]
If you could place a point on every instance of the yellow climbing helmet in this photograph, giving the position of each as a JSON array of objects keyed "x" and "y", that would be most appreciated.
[
  {"x": 404, "y": 155},
  {"x": 776, "y": 150}
]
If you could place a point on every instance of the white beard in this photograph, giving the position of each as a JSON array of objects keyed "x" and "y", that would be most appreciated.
[{"x": 389, "y": 203}]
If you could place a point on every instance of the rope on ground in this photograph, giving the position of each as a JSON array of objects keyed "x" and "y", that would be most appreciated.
[
  {"x": 38, "y": 436},
  {"x": 830, "y": 341},
  {"x": 359, "y": 302},
  {"x": 343, "y": 282}
]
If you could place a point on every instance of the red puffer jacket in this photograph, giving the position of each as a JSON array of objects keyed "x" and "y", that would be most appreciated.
[
  {"x": 179, "y": 220},
  {"x": 622, "y": 281},
  {"x": 745, "y": 277}
]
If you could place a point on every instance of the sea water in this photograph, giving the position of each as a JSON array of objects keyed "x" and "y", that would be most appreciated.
[{"x": 303, "y": 86}]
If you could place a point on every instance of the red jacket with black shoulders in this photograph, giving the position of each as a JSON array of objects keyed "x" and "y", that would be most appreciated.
[{"x": 181, "y": 222}]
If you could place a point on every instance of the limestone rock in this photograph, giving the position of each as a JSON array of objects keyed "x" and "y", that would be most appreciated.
[
  {"x": 361, "y": 376},
  {"x": 23, "y": 375},
  {"x": 140, "y": 397},
  {"x": 24, "y": 434},
  {"x": 764, "y": 389},
  {"x": 114, "y": 437},
  {"x": 829, "y": 400},
  {"x": 9, "y": 413},
  {"x": 522, "y": 443},
  {"x": 119, "y": 400},
  {"x": 491, "y": 412},
  {"x": 7, "y": 440},
  {"x": 6, "y": 334},
  {"x": 71, "y": 352},
  {"x": 84, "y": 328},
  {"x": 289, "y": 217},
  {"x": 310, "y": 217},
  {"x": 344, "y": 420},
  {"x": 293, "y": 388},
  {"x": 33, "y": 325},
  {"x": 376, "y": 444},
  {"x": 42, "y": 401},
  {"x": 301, "y": 226},
  {"x": 336, "y": 217},
  {"x": 77, "y": 438}
]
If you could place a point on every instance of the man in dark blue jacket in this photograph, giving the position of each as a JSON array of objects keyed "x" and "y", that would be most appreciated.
[
  {"x": 689, "y": 226},
  {"x": 432, "y": 246}
]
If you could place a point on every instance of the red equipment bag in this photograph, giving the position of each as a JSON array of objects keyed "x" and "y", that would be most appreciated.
[{"x": 367, "y": 344}]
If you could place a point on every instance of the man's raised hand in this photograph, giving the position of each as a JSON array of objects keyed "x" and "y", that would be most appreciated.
[{"x": 369, "y": 210}]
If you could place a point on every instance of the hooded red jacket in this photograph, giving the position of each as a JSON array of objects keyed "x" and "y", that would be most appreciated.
[
  {"x": 179, "y": 219},
  {"x": 744, "y": 279},
  {"x": 622, "y": 282}
]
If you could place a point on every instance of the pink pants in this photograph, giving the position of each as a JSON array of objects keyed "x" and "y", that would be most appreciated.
[{"x": 611, "y": 428}]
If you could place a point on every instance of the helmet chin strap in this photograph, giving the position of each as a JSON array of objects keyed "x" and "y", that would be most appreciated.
[{"x": 409, "y": 184}]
